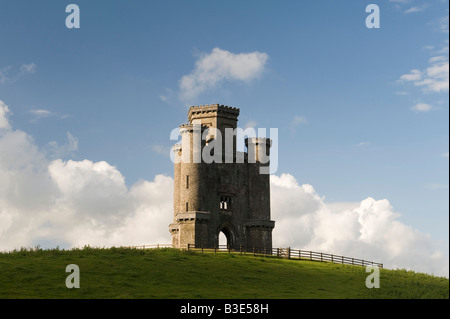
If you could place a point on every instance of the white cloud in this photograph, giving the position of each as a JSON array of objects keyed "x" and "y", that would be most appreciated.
[
  {"x": 75, "y": 203},
  {"x": 4, "y": 111},
  {"x": 168, "y": 96},
  {"x": 41, "y": 113},
  {"x": 369, "y": 229},
  {"x": 443, "y": 50},
  {"x": 23, "y": 70},
  {"x": 443, "y": 24},
  {"x": 28, "y": 68},
  {"x": 297, "y": 121},
  {"x": 3, "y": 75},
  {"x": 161, "y": 149},
  {"x": 414, "y": 9},
  {"x": 220, "y": 65},
  {"x": 435, "y": 78},
  {"x": 250, "y": 124},
  {"x": 422, "y": 107},
  {"x": 57, "y": 151},
  {"x": 440, "y": 58},
  {"x": 361, "y": 144},
  {"x": 414, "y": 75}
]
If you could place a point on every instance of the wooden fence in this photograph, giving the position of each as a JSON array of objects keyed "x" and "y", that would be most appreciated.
[
  {"x": 288, "y": 253},
  {"x": 152, "y": 246}
]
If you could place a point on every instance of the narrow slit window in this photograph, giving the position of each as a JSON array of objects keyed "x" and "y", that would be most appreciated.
[
  {"x": 187, "y": 181},
  {"x": 187, "y": 206}
]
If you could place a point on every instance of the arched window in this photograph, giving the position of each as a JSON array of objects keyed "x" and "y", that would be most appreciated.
[{"x": 225, "y": 203}]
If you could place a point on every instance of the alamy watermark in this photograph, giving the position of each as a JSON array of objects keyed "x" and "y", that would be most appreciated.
[
  {"x": 373, "y": 279},
  {"x": 73, "y": 19},
  {"x": 73, "y": 280},
  {"x": 210, "y": 146},
  {"x": 373, "y": 19}
]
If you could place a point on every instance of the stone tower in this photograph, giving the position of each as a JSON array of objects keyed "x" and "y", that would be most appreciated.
[{"x": 227, "y": 194}]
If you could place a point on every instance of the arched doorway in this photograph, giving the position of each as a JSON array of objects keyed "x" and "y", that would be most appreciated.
[
  {"x": 223, "y": 240},
  {"x": 225, "y": 237}
]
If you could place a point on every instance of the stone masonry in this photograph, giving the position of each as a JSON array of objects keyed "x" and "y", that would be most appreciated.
[{"x": 209, "y": 198}]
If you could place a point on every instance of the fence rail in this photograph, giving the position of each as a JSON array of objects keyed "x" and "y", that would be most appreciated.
[
  {"x": 288, "y": 253},
  {"x": 152, "y": 246}
]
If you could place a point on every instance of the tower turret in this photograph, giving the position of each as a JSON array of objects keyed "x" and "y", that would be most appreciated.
[{"x": 220, "y": 196}]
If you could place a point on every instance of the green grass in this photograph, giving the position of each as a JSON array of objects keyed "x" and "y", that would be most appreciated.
[{"x": 174, "y": 274}]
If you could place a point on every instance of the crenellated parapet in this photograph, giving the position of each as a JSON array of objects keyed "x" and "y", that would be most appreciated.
[{"x": 212, "y": 110}]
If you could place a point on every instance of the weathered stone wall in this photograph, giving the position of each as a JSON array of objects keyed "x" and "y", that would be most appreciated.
[{"x": 229, "y": 197}]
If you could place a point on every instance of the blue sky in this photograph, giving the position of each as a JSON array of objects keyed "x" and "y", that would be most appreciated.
[{"x": 360, "y": 112}]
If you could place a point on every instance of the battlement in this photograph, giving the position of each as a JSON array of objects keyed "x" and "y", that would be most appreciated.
[
  {"x": 206, "y": 106},
  {"x": 212, "y": 110},
  {"x": 190, "y": 127}
]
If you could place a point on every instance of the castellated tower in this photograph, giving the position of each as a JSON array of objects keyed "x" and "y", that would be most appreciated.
[{"x": 223, "y": 190}]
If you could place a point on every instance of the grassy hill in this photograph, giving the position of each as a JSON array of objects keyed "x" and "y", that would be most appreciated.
[{"x": 174, "y": 274}]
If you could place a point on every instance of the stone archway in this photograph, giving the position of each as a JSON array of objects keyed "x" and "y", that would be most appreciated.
[{"x": 228, "y": 231}]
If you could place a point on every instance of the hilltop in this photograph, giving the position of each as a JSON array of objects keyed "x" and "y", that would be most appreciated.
[{"x": 174, "y": 274}]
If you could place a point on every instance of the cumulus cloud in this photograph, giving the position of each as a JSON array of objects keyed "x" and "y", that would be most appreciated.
[
  {"x": 75, "y": 203},
  {"x": 369, "y": 229},
  {"x": 220, "y": 65}
]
